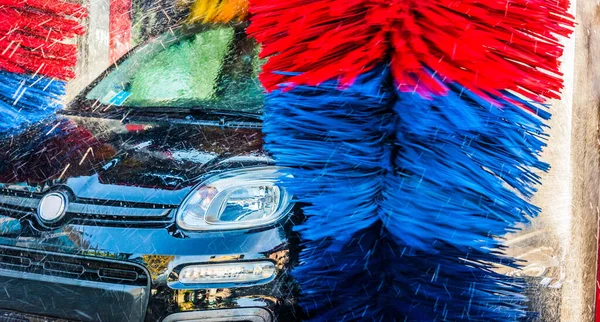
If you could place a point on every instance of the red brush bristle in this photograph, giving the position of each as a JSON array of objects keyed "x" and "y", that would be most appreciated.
[
  {"x": 485, "y": 46},
  {"x": 33, "y": 34}
]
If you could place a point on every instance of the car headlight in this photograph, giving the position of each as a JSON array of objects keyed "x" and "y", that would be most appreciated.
[{"x": 237, "y": 199}]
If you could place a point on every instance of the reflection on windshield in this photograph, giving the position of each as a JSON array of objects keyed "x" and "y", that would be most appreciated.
[{"x": 215, "y": 68}]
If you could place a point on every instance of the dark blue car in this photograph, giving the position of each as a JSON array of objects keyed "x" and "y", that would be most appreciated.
[{"x": 150, "y": 197}]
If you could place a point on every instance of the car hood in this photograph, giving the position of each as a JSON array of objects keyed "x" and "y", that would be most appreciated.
[{"x": 105, "y": 159}]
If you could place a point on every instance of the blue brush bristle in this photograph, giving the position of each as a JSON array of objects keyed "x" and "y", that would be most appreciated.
[
  {"x": 331, "y": 138},
  {"x": 27, "y": 99},
  {"x": 464, "y": 169},
  {"x": 405, "y": 198}
]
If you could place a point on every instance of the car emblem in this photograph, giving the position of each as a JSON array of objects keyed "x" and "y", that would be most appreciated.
[{"x": 52, "y": 207}]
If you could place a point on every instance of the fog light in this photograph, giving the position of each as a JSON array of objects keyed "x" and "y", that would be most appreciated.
[{"x": 227, "y": 273}]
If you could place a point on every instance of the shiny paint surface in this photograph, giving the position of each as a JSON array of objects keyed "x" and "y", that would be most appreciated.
[{"x": 103, "y": 158}]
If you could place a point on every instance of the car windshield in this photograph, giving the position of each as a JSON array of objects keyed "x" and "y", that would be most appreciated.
[{"x": 213, "y": 68}]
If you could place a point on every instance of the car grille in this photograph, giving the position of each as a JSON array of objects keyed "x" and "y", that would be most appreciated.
[
  {"x": 19, "y": 204},
  {"x": 10, "y": 316},
  {"x": 75, "y": 267}
]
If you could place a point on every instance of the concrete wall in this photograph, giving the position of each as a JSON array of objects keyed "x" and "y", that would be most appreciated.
[
  {"x": 579, "y": 293},
  {"x": 93, "y": 47}
]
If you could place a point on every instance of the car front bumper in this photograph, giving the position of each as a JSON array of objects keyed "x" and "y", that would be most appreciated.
[{"x": 99, "y": 273}]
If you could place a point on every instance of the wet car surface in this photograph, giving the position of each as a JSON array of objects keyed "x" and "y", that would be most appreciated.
[{"x": 92, "y": 217}]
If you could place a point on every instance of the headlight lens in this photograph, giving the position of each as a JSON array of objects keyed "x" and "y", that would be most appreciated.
[{"x": 238, "y": 199}]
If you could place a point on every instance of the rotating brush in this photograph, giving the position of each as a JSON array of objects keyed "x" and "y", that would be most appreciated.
[
  {"x": 35, "y": 58},
  {"x": 412, "y": 131}
]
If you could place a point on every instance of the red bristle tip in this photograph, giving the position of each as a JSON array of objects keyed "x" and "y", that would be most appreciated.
[
  {"x": 33, "y": 34},
  {"x": 486, "y": 46}
]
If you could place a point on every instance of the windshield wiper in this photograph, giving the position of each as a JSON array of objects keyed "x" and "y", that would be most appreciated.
[
  {"x": 196, "y": 111},
  {"x": 195, "y": 116},
  {"x": 190, "y": 114}
]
